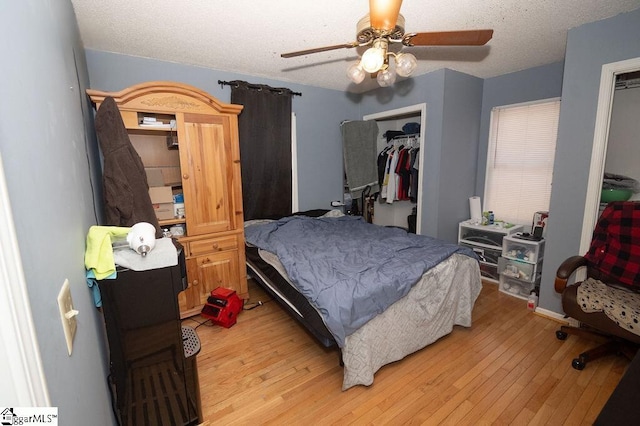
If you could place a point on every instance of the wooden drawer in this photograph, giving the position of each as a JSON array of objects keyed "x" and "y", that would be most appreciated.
[{"x": 212, "y": 245}]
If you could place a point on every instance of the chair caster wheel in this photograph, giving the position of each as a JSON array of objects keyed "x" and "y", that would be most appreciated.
[
  {"x": 561, "y": 335},
  {"x": 578, "y": 364}
]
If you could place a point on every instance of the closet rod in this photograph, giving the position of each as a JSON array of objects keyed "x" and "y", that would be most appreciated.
[
  {"x": 255, "y": 86},
  {"x": 401, "y": 137}
]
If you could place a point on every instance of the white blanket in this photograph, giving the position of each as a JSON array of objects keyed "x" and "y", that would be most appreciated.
[
  {"x": 620, "y": 305},
  {"x": 444, "y": 297}
]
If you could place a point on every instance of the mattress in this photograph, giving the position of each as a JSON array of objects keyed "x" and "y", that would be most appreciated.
[{"x": 442, "y": 298}]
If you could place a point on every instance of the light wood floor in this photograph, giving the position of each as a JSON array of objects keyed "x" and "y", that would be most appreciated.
[{"x": 508, "y": 368}]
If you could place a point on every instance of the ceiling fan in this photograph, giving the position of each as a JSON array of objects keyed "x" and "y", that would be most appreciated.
[{"x": 383, "y": 26}]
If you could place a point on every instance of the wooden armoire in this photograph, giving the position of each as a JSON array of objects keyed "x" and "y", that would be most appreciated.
[{"x": 189, "y": 140}]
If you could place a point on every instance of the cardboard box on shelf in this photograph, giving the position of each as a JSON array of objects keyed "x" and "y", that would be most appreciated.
[
  {"x": 154, "y": 177},
  {"x": 163, "y": 176},
  {"x": 162, "y": 200}
]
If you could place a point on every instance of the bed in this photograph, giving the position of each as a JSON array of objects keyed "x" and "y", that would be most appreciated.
[{"x": 377, "y": 293}]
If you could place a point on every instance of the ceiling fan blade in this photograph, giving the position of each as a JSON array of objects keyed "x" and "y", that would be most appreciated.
[
  {"x": 384, "y": 14},
  {"x": 319, "y": 49},
  {"x": 449, "y": 38}
]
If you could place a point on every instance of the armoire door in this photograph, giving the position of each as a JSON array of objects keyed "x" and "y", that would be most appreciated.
[{"x": 207, "y": 173}]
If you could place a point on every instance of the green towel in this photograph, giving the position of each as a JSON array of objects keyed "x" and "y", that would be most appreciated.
[{"x": 99, "y": 253}]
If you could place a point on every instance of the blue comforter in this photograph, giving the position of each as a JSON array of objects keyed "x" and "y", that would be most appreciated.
[{"x": 348, "y": 269}]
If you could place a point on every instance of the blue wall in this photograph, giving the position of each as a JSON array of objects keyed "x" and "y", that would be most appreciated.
[
  {"x": 577, "y": 81},
  {"x": 453, "y": 102},
  {"x": 429, "y": 89},
  {"x": 51, "y": 170},
  {"x": 588, "y": 48},
  {"x": 543, "y": 82},
  {"x": 458, "y": 152}
]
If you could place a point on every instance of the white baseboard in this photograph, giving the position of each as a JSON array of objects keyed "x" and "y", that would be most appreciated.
[{"x": 554, "y": 315}]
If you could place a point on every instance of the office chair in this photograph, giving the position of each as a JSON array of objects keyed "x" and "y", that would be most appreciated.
[{"x": 607, "y": 303}]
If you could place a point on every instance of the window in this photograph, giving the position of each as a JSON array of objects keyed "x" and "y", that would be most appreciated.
[{"x": 522, "y": 145}]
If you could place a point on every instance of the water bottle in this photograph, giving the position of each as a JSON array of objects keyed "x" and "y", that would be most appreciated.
[{"x": 532, "y": 301}]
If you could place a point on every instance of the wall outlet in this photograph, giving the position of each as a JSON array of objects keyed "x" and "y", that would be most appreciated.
[{"x": 67, "y": 314}]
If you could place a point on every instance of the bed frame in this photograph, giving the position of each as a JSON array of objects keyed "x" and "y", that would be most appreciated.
[{"x": 288, "y": 297}]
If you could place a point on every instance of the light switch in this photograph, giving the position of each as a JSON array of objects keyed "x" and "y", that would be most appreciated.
[{"x": 67, "y": 314}]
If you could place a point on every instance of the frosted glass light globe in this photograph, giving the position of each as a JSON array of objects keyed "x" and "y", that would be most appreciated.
[
  {"x": 406, "y": 63},
  {"x": 372, "y": 59},
  {"x": 386, "y": 78},
  {"x": 356, "y": 73}
]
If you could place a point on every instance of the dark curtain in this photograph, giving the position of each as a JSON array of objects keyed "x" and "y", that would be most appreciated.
[{"x": 264, "y": 127}]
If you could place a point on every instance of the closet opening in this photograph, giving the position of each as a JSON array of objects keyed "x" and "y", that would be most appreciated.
[
  {"x": 401, "y": 211},
  {"x": 608, "y": 80}
]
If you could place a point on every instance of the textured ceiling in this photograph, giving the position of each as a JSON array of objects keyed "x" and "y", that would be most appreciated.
[{"x": 248, "y": 36}]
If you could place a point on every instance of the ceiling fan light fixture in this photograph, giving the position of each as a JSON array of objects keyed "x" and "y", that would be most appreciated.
[
  {"x": 384, "y": 26},
  {"x": 356, "y": 73},
  {"x": 386, "y": 77},
  {"x": 406, "y": 63}
]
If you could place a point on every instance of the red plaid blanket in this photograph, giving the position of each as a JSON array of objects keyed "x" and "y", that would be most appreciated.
[{"x": 615, "y": 247}]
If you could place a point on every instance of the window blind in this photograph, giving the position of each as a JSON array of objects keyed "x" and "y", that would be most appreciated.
[{"x": 522, "y": 144}]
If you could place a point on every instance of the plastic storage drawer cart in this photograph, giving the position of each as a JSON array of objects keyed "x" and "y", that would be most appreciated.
[
  {"x": 520, "y": 266},
  {"x": 486, "y": 242}
]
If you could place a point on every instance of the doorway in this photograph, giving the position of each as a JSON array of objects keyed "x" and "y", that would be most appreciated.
[
  {"x": 24, "y": 380},
  {"x": 609, "y": 74},
  {"x": 397, "y": 214}
]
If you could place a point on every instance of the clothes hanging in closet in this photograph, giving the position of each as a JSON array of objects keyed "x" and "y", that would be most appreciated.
[
  {"x": 397, "y": 171},
  {"x": 415, "y": 163}
]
